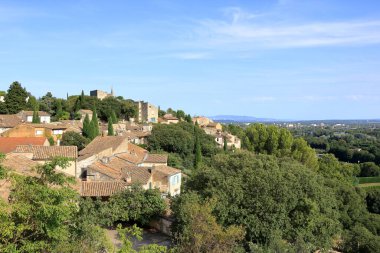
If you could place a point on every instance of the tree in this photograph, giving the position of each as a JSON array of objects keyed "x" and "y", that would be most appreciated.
[
  {"x": 180, "y": 114},
  {"x": 94, "y": 125},
  {"x": 110, "y": 128},
  {"x": 225, "y": 144},
  {"x": 36, "y": 117},
  {"x": 258, "y": 192},
  {"x": 196, "y": 229},
  {"x": 16, "y": 98},
  {"x": 197, "y": 152},
  {"x": 369, "y": 169},
  {"x": 42, "y": 215},
  {"x": 59, "y": 111},
  {"x": 86, "y": 127},
  {"x": 71, "y": 138},
  {"x": 114, "y": 118}
]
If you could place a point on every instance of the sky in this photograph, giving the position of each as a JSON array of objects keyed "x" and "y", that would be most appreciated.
[{"x": 283, "y": 59}]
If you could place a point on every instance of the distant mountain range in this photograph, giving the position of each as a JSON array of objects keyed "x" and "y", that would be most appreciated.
[{"x": 242, "y": 119}]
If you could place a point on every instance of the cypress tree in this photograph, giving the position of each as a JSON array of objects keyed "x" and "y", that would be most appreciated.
[
  {"x": 36, "y": 118},
  {"x": 81, "y": 100},
  {"x": 225, "y": 144},
  {"x": 59, "y": 112},
  {"x": 110, "y": 127},
  {"x": 86, "y": 126},
  {"x": 114, "y": 118},
  {"x": 94, "y": 124}
]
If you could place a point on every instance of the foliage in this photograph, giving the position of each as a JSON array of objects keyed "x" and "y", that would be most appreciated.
[
  {"x": 268, "y": 195},
  {"x": 110, "y": 128},
  {"x": 86, "y": 127},
  {"x": 373, "y": 200},
  {"x": 15, "y": 99},
  {"x": 93, "y": 126},
  {"x": 366, "y": 180},
  {"x": 36, "y": 117},
  {"x": 197, "y": 151},
  {"x": 72, "y": 138},
  {"x": 196, "y": 229},
  {"x": 128, "y": 233},
  {"x": 42, "y": 215},
  {"x": 369, "y": 169},
  {"x": 135, "y": 204}
]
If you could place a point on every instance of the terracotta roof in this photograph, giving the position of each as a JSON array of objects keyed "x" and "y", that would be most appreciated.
[
  {"x": 30, "y": 113},
  {"x": 119, "y": 169},
  {"x": 20, "y": 164},
  {"x": 101, "y": 188},
  {"x": 8, "y": 144},
  {"x": 161, "y": 173},
  {"x": 48, "y": 152},
  {"x": 156, "y": 158},
  {"x": 101, "y": 143},
  {"x": 9, "y": 121},
  {"x": 169, "y": 117}
]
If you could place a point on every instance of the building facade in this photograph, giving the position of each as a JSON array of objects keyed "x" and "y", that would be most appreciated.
[{"x": 146, "y": 112}]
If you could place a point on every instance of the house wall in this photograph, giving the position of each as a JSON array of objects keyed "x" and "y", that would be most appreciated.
[
  {"x": 3, "y": 129},
  {"x": 175, "y": 184},
  {"x": 144, "y": 164},
  {"x": 70, "y": 170}
]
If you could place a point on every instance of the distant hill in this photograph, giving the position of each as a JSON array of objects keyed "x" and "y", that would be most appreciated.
[{"x": 240, "y": 119}]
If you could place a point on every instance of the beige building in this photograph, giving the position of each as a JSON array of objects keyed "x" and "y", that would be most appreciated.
[
  {"x": 8, "y": 122},
  {"x": 146, "y": 112},
  {"x": 43, "y": 154},
  {"x": 27, "y": 116},
  {"x": 101, "y": 94}
]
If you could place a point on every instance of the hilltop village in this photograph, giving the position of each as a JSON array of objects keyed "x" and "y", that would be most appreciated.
[{"x": 87, "y": 172}]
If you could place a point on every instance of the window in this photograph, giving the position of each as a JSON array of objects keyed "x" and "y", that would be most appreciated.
[
  {"x": 59, "y": 131},
  {"x": 39, "y": 132}
]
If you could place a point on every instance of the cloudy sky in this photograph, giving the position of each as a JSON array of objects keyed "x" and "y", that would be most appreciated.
[{"x": 285, "y": 59}]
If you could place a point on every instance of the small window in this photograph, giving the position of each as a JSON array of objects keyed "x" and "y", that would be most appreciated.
[{"x": 39, "y": 132}]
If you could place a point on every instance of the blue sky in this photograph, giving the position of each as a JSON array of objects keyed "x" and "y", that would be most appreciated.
[{"x": 285, "y": 59}]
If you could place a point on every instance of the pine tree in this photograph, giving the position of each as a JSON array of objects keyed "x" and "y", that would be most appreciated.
[
  {"x": 36, "y": 118},
  {"x": 110, "y": 127},
  {"x": 197, "y": 151},
  {"x": 59, "y": 112},
  {"x": 16, "y": 97},
  {"x": 94, "y": 124},
  {"x": 86, "y": 126},
  {"x": 114, "y": 118}
]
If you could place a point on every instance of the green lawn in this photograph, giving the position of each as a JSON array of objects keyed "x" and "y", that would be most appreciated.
[{"x": 367, "y": 180}]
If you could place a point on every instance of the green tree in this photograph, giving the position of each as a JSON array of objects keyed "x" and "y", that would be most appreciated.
[
  {"x": 114, "y": 118},
  {"x": 94, "y": 125},
  {"x": 15, "y": 99},
  {"x": 71, "y": 138},
  {"x": 110, "y": 128},
  {"x": 196, "y": 229},
  {"x": 59, "y": 112},
  {"x": 36, "y": 117},
  {"x": 197, "y": 151},
  {"x": 86, "y": 127},
  {"x": 302, "y": 152}
]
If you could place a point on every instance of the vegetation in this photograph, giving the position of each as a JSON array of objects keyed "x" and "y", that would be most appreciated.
[{"x": 74, "y": 139}]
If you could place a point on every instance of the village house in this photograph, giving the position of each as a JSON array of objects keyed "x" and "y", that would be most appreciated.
[
  {"x": 9, "y": 144},
  {"x": 113, "y": 162},
  {"x": 146, "y": 112},
  {"x": 162, "y": 177},
  {"x": 38, "y": 130},
  {"x": 27, "y": 116},
  {"x": 232, "y": 140},
  {"x": 43, "y": 154},
  {"x": 8, "y": 122},
  {"x": 202, "y": 121},
  {"x": 168, "y": 119},
  {"x": 212, "y": 128}
]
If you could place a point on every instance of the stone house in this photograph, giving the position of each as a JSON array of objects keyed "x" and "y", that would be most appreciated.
[
  {"x": 146, "y": 112},
  {"x": 43, "y": 154},
  {"x": 27, "y": 116},
  {"x": 9, "y": 121},
  {"x": 101, "y": 94},
  {"x": 37, "y": 130},
  {"x": 83, "y": 113}
]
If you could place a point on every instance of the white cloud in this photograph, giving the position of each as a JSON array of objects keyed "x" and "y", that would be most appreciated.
[
  {"x": 190, "y": 55},
  {"x": 258, "y": 30}
]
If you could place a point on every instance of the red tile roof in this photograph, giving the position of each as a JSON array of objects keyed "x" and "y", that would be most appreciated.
[
  {"x": 8, "y": 144},
  {"x": 9, "y": 121},
  {"x": 101, "y": 188},
  {"x": 156, "y": 158},
  {"x": 48, "y": 152}
]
